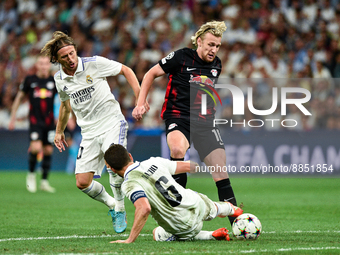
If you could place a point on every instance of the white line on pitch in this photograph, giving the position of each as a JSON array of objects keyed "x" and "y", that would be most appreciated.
[
  {"x": 224, "y": 252},
  {"x": 285, "y": 250},
  {"x": 63, "y": 237},
  {"x": 303, "y": 231},
  {"x": 124, "y": 235}
]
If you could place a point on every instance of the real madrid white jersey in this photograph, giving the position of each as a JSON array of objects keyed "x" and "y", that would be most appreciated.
[
  {"x": 90, "y": 96},
  {"x": 173, "y": 207}
]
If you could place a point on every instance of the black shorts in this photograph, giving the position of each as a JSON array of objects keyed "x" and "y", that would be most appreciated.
[
  {"x": 205, "y": 138},
  {"x": 44, "y": 134}
]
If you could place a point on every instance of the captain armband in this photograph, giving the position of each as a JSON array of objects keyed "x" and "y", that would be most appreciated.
[{"x": 137, "y": 195}]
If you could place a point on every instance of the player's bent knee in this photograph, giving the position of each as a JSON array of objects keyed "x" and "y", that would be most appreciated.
[
  {"x": 36, "y": 146},
  {"x": 160, "y": 235},
  {"x": 178, "y": 152},
  {"x": 217, "y": 176},
  {"x": 82, "y": 183},
  {"x": 35, "y": 149}
]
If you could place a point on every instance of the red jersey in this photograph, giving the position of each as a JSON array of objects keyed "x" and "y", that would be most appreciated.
[{"x": 189, "y": 78}]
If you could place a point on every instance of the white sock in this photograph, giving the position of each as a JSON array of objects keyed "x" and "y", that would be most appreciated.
[
  {"x": 116, "y": 183},
  {"x": 97, "y": 191},
  {"x": 204, "y": 235},
  {"x": 223, "y": 209}
]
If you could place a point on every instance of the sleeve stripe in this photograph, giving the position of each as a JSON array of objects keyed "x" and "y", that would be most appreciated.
[
  {"x": 89, "y": 59},
  {"x": 57, "y": 74}
]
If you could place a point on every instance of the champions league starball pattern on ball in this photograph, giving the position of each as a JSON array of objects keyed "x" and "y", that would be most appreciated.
[{"x": 247, "y": 227}]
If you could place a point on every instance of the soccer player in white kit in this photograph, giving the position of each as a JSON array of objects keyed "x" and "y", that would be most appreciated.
[
  {"x": 83, "y": 88},
  {"x": 179, "y": 212}
]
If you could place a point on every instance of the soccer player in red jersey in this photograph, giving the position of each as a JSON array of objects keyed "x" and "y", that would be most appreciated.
[
  {"x": 41, "y": 90},
  {"x": 188, "y": 71}
]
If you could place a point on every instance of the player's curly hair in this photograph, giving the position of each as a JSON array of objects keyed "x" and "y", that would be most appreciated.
[
  {"x": 52, "y": 47},
  {"x": 216, "y": 28}
]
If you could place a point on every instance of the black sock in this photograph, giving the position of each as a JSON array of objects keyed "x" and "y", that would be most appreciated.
[
  {"x": 46, "y": 166},
  {"x": 226, "y": 193},
  {"x": 32, "y": 161},
  {"x": 181, "y": 179}
]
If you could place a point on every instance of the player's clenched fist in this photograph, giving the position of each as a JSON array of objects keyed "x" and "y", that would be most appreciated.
[{"x": 138, "y": 112}]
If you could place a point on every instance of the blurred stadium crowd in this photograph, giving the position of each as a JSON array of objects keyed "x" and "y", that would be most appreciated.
[{"x": 265, "y": 39}]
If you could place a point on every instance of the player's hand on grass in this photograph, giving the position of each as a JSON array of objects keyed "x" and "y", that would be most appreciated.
[
  {"x": 60, "y": 142},
  {"x": 121, "y": 241}
]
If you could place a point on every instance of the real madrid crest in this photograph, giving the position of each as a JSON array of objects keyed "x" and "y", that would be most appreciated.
[{"x": 89, "y": 79}]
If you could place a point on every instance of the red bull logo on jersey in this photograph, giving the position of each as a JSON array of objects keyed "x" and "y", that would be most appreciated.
[
  {"x": 207, "y": 85},
  {"x": 201, "y": 80},
  {"x": 42, "y": 93}
]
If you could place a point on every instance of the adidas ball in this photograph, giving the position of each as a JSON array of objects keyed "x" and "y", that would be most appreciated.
[{"x": 247, "y": 227}]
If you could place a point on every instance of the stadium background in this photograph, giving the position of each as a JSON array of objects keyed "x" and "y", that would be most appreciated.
[{"x": 264, "y": 39}]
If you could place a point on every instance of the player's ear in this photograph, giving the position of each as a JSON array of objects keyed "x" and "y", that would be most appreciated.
[
  {"x": 199, "y": 41},
  {"x": 55, "y": 59},
  {"x": 131, "y": 157}
]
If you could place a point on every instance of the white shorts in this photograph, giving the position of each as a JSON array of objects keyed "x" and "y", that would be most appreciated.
[
  {"x": 209, "y": 212},
  {"x": 91, "y": 151},
  {"x": 162, "y": 236}
]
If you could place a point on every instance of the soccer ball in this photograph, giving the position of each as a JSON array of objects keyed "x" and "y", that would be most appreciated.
[{"x": 247, "y": 227}]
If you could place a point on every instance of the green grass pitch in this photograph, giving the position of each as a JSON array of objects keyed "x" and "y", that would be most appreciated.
[{"x": 298, "y": 216}]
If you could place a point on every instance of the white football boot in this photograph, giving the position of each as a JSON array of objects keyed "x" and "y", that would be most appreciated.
[
  {"x": 31, "y": 182},
  {"x": 45, "y": 186}
]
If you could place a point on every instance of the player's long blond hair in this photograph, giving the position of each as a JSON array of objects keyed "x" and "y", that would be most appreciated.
[
  {"x": 216, "y": 28},
  {"x": 52, "y": 47}
]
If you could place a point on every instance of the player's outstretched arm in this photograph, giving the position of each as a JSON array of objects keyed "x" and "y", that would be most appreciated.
[
  {"x": 186, "y": 167},
  {"x": 148, "y": 79},
  {"x": 132, "y": 79},
  {"x": 64, "y": 114},
  {"x": 14, "y": 109},
  {"x": 142, "y": 212}
]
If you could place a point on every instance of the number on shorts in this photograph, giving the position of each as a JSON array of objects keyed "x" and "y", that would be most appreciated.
[
  {"x": 217, "y": 135},
  {"x": 165, "y": 192},
  {"x": 80, "y": 152}
]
